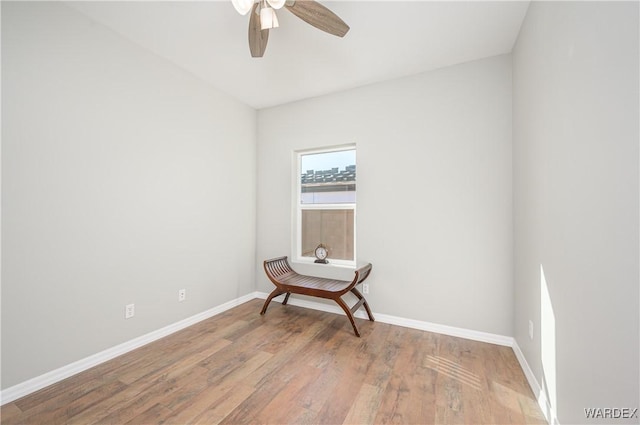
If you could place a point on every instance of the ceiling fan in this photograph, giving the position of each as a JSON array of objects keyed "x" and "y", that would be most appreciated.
[{"x": 263, "y": 18}]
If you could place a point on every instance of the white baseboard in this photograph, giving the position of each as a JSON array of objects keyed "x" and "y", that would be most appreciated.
[
  {"x": 27, "y": 387},
  {"x": 538, "y": 392},
  {"x": 407, "y": 323}
]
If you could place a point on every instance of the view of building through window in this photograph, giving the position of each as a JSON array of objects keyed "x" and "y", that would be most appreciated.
[{"x": 327, "y": 203}]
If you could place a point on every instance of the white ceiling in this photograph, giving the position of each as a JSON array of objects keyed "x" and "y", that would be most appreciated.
[{"x": 388, "y": 39}]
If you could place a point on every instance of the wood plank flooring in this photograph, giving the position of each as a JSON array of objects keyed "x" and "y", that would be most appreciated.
[{"x": 292, "y": 366}]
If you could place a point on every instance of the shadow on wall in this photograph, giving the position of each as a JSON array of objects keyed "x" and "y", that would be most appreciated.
[{"x": 548, "y": 349}]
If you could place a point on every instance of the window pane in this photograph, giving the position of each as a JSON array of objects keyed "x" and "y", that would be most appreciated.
[
  {"x": 328, "y": 178},
  {"x": 332, "y": 228}
]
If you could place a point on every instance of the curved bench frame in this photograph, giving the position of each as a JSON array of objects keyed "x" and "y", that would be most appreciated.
[{"x": 288, "y": 282}]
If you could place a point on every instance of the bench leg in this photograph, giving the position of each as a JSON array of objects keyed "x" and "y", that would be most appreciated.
[
  {"x": 347, "y": 311},
  {"x": 286, "y": 298},
  {"x": 271, "y": 296},
  {"x": 366, "y": 305}
]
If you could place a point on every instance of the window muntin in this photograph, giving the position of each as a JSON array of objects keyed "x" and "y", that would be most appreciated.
[{"x": 326, "y": 206}]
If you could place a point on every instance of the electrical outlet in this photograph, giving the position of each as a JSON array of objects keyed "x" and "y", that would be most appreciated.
[
  {"x": 530, "y": 329},
  {"x": 365, "y": 288},
  {"x": 182, "y": 295},
  {"x": 129, "y": 311}
]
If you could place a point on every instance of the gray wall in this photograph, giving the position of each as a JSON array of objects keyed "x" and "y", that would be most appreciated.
[
  {"x": 575, "y": 72},
  {"x": 434, "y": 189},
  {"x": 124, "y": 179}
]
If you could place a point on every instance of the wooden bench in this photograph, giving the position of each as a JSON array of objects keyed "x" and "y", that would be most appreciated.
[{"x": 289, "y": 282}]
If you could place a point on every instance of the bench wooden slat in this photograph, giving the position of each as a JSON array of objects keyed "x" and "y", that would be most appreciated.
[{"x": 288, "y": 281}]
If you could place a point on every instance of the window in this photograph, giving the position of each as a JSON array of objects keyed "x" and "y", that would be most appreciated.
[{"x": 326, "y": 204}]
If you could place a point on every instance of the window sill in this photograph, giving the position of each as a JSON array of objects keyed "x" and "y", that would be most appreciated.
[
  {"x": 329, "y": 270},
  {"x": 330, "y": 264}
]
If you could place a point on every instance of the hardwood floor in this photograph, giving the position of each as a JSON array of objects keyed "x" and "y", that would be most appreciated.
[{"x": 292, "y": 365}]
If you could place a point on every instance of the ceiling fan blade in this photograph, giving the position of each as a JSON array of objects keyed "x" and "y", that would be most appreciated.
[
  {"x": 319, "y": 16},
  {"x": 257, "y": 37}
]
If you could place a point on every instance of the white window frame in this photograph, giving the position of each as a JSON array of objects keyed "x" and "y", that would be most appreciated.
[{"x": 298, "y": 207}]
